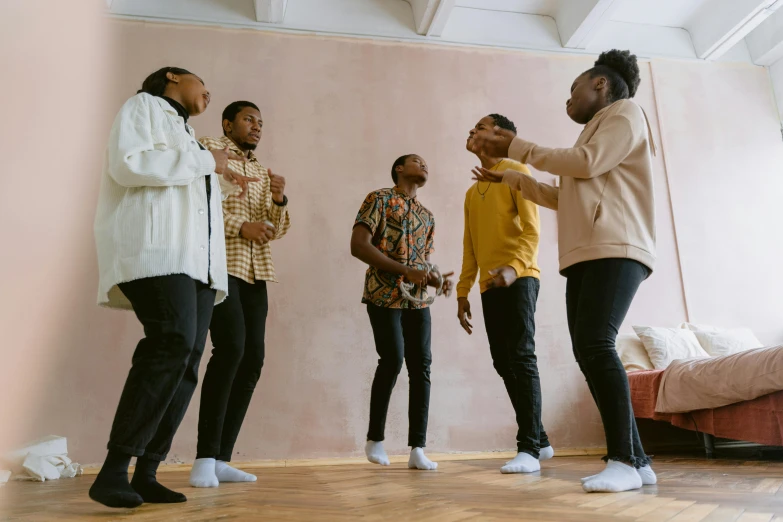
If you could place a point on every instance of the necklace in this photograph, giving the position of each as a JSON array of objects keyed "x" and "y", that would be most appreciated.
[{"x": 478, "y": 188}]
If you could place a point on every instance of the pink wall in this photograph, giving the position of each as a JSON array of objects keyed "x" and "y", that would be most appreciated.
[
  {"x": 723, "y": 147},
  {"x": 53, "y": 132},
  {"x": 337, "y": 113}
]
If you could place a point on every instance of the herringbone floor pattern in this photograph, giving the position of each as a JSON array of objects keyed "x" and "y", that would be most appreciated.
[{"x": 689, "y": 490}]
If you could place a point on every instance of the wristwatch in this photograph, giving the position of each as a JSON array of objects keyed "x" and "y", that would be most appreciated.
[{"x": 284, "y": 203}]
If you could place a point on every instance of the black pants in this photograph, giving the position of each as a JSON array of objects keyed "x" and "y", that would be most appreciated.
[
  {"x": 175, "y": 311},
  {"x": 598, "y": 296},
  {"x": 509, "y": 318},
  {"x": 237, "y": 330},
  {"x": 401, "y": 334}
]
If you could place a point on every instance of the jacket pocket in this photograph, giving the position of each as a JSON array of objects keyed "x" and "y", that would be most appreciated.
[{"x": 130, "y": 229}]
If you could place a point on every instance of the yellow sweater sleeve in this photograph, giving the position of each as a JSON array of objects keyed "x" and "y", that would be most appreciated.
[
  {"x": 531, "y": 230},
  {"x": 469, "y": 264}
]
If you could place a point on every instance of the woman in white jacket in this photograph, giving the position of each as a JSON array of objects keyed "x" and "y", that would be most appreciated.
[{"x": 161, "y": 252}]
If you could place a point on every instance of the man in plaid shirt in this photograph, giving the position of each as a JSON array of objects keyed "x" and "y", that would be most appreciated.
[{"x": 238, "y": 324}]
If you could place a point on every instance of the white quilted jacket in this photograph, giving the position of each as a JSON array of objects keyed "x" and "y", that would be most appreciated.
[{"x": 152, "y": 208}]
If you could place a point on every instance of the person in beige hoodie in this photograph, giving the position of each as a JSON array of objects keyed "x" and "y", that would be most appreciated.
[{"x": 606, "y": 235}]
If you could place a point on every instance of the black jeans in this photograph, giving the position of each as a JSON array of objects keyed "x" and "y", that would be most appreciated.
[
  {"x": 237, "y": 329},
  {"x": 509, "y": 318},
  {"x": 175, "y": 311},
  {"x": 401, "y": 334},
  {"x": 598, "y": 296}
]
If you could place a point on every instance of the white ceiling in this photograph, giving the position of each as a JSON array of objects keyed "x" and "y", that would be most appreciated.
[
  {"x": 667, "y": 13},
  {"x": 536, "y": 7},
  {"x": 733, "y": 30}
]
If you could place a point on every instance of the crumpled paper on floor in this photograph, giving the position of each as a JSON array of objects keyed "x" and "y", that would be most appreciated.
[
  {"x": 38, "y": 468},
  {"x": 43, "y": 459}
]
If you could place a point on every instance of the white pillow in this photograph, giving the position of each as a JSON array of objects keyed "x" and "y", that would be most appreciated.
[
  {"x": 665, "y": 345},
  {"x": 717, "y": 341},
  {"x": 632, "y": 353}
]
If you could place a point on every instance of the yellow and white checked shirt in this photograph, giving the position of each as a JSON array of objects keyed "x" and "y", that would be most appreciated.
[{"x": 246, "y": 259}]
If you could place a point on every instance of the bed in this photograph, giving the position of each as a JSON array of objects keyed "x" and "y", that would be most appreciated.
[{"x": 738, "y": 397}]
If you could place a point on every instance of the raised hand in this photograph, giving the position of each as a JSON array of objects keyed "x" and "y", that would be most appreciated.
[
  {"x": 222, "y": 157},
  {"x": 463, "y": 314},
  {"x": 482, "y": 174},
  {"x": 239, "y": 180},
  {"x": 221, "y": 167},
  {"x": 276, "y": 186},
  {"x": 494, "y": 146}
]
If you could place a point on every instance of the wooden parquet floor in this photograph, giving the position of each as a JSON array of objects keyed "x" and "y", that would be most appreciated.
[{"x": 689, "y": 490}]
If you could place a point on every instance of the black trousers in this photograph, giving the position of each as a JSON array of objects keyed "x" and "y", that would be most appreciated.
[
  {"x": 598, "y": 296},
  {"x": 175, "y": 311},
  {"x": 401, "y": 334},
  {"x": 509, "y": 318},
  {"x": 237, "y": 330}
]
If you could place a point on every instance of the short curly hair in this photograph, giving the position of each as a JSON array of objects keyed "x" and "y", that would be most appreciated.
[
  {"x": 503, "y": 122},
  {"x": 621, "y": 69}
]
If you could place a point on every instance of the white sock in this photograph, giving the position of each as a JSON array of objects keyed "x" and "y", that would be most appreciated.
[
  {"x": 375, "y": 453},
  {"x": 546, "y": 453},
  {"x": 419, "y": 461},
  {"x": 615, "y": 478},
  {"x": 646, "y": 473},
  {"x": 203, "y": 474},
  {"x": 226, "y": 473},
  {"x": 522, "y": 463}
]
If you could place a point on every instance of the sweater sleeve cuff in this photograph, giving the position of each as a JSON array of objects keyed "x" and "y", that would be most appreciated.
[
  {"x": 519, "y": 150},
  {"x": 462, "y": 292},
  {"x": 518, "y": 266},
  {"x": 205, "y": 163}
]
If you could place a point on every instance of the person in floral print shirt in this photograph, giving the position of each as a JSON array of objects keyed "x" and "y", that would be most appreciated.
[{"x": 394, "y": 235}]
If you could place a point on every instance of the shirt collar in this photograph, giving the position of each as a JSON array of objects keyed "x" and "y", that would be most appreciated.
[{"x": 399, "y": 192}]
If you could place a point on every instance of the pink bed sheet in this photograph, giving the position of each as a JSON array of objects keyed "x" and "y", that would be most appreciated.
[{"x": 759, "y": 420}]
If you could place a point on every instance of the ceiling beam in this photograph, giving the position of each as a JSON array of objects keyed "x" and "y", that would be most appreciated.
[
  {"x": 580, "y": 20},
  {"x": 431, "y": 16},
  {"x": 270, "y": 11},
  {"x": 720, "y": 24},
  {"x": 765, "y": 43}
]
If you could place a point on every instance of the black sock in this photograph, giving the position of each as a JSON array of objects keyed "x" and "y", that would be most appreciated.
[
  {"x": 146, "y": 484},
  {"x": 111, "y": 487}
]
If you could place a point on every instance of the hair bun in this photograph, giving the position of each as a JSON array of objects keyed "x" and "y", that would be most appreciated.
[{"x": 623, "y": 63}]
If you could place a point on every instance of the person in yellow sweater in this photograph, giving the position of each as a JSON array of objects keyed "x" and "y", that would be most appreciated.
[{"x": 501, "y": 243}]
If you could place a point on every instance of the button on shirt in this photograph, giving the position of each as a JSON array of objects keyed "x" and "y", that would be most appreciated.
[
  {"x": 404, "y": 230},
  {"x": 249, "y": 260}
]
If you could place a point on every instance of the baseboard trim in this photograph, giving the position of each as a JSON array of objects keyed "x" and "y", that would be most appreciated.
[{"x": 395, "y": 459}]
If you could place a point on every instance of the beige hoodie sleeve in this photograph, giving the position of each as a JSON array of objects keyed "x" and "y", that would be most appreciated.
[
  {"x": 532, "y": 190},
  {"x": 615, "y": 138}
]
